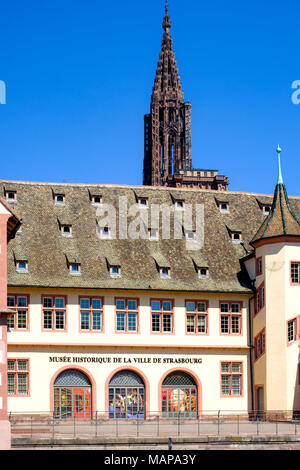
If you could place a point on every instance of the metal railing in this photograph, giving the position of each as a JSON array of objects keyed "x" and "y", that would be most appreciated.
[{"x": 210, "y": 423}]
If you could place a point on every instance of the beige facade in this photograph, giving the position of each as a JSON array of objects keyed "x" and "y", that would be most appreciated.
[
  {"x": 277, "y": 369},
  {"x": 152, "y": 355}
]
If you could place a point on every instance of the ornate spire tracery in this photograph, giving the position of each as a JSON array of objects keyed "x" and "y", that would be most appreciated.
[{"x": 168, "y": 126}]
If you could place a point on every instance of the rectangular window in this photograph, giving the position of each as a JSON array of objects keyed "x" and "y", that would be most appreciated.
[
  {"x": 91, "y": 313},
  {"x": 162, "y": 316},
  {"x": 292, "y": 330},
  {"x": 295, "y": 277},
  {"x": 20, "y": 304},
  {"x": 127, "y": 311},
  {"x": 260, "y": 298},
  {"x": 231, "y": 318},
  {"x": 231, "y": 379},
  {"x": 259, "y": 344},
  {"x": 196, "y": 316},
  {"x": 18, "y": 377},
  {"x": 54, "y": 313},
  {"x": 259, "y": 266}
]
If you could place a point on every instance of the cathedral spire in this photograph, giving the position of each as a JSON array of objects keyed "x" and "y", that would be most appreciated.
[
  {"x": 168, "y": 126},
  {"x": 167, "y": 22}
]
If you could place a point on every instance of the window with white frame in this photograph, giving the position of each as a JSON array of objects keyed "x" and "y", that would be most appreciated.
[
  {"x": 20, "y": 304},
  {"x": 126, "y": 315},
  {"x": 230, "y": 318},
  {"x": 231, "y": 379},
  {"x": 18, "y": 377},
  {"x": 91, "y": 313},
  {"x": 295, "y": 272},
  {"x": 196, "y": 317},
  {"x": 292, "y": 330},
  {"x": 162, "y": 316},
  {"x": 54, "y": 313}
]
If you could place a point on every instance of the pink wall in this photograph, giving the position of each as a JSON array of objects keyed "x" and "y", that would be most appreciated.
[{"x": 5, "y": 437}]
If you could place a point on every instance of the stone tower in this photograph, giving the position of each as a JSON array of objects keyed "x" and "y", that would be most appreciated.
[
  {"x": 168, "y": 126},
  {"x": 167, "y": 129}
]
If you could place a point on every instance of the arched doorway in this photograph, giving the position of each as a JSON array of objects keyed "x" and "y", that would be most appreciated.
[
  {"x": 72, "y": 395},
  {"x": 126, "y": 396},
  {"x": 179, "y": 396}
]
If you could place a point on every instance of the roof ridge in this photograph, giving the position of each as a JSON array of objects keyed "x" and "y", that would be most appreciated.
[{"x": 150, "y": 188}]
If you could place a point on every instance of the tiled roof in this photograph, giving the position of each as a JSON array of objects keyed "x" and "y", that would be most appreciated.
[
  {"x": 49, "y": 252},
  {"x": 13, "y": 222}
]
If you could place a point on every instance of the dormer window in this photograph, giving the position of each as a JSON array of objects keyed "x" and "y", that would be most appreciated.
[
  {"x": 75, "y": 268},
  {"x": 236, "y": 237},
  {"x": 10, "y": 196},
  {"x": 266, "y": 210},
  {"x": 203, "y": 273},
  {"x": 179, "y": 204},
  {"x": 59, "y": 199},
  {"x": 115, "y": 271},
  {"x": 190, "y": 235},
  {"x": 153, "y": 234},
  {"x": 105, "y": 232},
  {"x": 143, "y": 201},
  {"x": 22, "y": 266},
  {"x": 224, "y": 207},
  {"x": 96, "y": 199},
  {"x": 165, "y": 272},
  {"x": 66, "y": 230}
]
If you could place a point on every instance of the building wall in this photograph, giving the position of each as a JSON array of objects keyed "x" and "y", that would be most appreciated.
[
  {"x": 4, "y": 215},
  {"x": 5, "y": 434},
  {"x": 277, "y": 368},
  {"x": 100, "y": 355}
]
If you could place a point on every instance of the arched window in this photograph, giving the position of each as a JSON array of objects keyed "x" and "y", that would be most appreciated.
[
  {"x": 179, "y": 396},
  {"x": 72, "y": 395},
  {"x": 126, "y": 396}
]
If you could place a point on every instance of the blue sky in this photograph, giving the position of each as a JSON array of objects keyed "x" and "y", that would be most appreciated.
[{"x": 79, "y": 77}]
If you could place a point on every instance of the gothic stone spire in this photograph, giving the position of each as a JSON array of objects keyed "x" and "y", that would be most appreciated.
[{"x": 168, "y": 126}]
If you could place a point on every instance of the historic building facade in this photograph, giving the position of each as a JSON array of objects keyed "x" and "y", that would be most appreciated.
[{"x": 144, "y": 326}]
